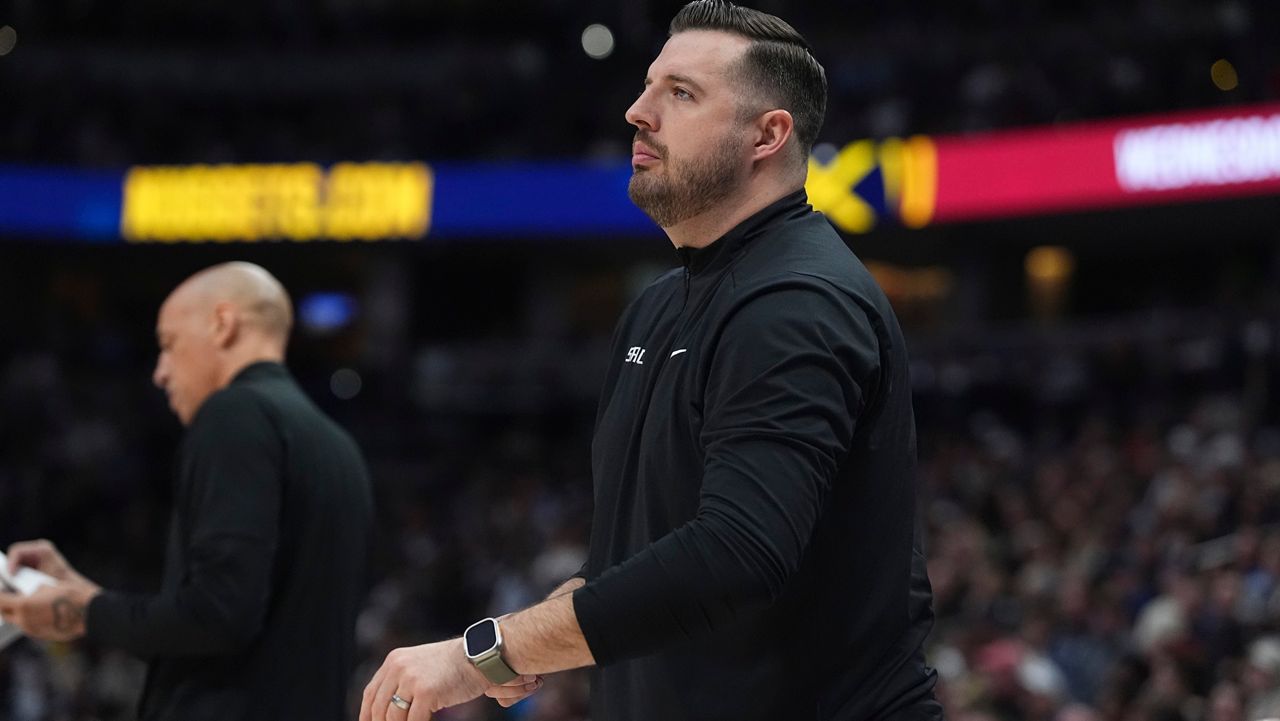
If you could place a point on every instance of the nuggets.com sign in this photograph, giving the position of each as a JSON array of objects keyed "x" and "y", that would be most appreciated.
[{"x": 297, "y": 202}]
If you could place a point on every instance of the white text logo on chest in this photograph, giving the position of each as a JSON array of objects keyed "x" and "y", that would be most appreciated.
[{"x": 635, "y": 355}]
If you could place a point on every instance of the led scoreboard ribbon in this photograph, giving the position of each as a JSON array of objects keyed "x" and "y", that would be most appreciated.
[
  {"x": 299, "y": 202},
  {"x": 918, "y": 181}
]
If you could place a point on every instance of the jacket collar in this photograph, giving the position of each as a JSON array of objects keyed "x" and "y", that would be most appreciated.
[
  {"x": 720, "y": 252},
  {"x": 260, "y": 369}
]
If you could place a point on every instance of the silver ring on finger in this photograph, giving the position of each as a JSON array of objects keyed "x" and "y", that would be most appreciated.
[{"x": 400, "y": 703}]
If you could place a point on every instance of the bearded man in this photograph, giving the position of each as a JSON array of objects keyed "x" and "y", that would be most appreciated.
[{"x": 755, "y": 549}]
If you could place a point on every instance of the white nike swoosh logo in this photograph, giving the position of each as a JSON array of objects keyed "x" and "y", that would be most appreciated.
[{"x": 675, "y": 353}]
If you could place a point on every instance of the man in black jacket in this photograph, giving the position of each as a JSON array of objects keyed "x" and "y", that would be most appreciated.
[
  {"x": 755, "y": 551},
  {"x": 265, "y": 564}
]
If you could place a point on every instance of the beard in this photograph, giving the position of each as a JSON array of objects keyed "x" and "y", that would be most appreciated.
[{"x": 688, "y": 187}]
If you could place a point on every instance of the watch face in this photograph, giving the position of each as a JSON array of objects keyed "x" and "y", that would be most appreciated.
[{"x": 481, "y": 637}]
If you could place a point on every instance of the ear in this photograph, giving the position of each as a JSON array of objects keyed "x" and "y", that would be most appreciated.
[
  {"x": 773, "y": 129},
  {"x": 226, "y": 324}
]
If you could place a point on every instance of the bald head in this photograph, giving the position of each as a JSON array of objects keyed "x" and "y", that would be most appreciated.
[
  {"x": 215, "y": 324},
  {"x": 258, "y": 298}
]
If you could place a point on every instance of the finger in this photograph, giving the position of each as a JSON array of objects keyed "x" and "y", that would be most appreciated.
[
  {"x": 417, "y": 712},
  {"x": 395, "y": 713},
  {"x": 28, "y": 553},
  {"x": 370, "y": 689},
  {"x": 382, "y": 699},
  {"x": 509, "y": 702},
  {"x": 9, "y": 602},
  {"x": 507, "y": 690},
  {"x": 15, "y": 553},
  {"x": 519, "y": 681},
  {"x": 513, "y": 700},
  {"x": 366, "y": 707}
]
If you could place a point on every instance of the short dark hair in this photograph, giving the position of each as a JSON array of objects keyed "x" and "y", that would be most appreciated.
[{"x": 779, "y": 63}]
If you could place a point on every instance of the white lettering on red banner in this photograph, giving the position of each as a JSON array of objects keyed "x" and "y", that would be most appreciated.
[{"x": 1185, "y": 155}]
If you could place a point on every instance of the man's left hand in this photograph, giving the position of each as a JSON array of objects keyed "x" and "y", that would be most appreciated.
[
  {"x": 52, "y": 613},
  {"x": 430, "y": 678}
]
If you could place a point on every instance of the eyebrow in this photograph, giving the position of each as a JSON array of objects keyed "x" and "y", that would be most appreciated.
[{"x": 682, "y": 79}]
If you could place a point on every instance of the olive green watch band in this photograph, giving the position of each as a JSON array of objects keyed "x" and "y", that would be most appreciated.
[{"x": 494, "y": 668}]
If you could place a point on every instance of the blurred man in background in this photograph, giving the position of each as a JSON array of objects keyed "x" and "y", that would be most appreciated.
[
  {"x": 755, "y": 550},
  {"x": 265, "y": 565}
]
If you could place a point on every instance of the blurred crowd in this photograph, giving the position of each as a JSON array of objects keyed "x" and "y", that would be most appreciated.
[
  {"x": 1102, "y": 501},
  {"x": 110, "y": 84},
  {"x": 1105, "y": 525}
]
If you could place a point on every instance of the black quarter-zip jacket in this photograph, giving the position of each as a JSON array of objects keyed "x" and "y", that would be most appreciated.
[
  {"x": 755, "y": 552},
  {"x": 265, "y": 568}
]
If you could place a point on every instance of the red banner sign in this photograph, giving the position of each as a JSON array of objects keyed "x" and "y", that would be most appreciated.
[{"x": 1186, "y": 156}]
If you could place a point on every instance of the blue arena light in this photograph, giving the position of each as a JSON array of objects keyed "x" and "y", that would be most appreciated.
[{"x": 327, "y": 312}]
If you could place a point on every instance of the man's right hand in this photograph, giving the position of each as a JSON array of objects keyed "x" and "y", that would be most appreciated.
[{"x": 44, "y": 557}]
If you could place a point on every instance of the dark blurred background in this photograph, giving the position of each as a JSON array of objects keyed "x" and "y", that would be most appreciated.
[{"x": 1099, "y": 443}]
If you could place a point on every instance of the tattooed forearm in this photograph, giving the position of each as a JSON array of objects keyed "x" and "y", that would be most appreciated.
[{"x": 67, "y": 615}]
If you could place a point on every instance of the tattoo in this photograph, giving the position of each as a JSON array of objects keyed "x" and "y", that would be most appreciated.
[{"x": 66, "y": 615}]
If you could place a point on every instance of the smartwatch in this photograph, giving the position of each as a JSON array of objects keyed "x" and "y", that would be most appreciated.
[{"x": 482, "y": 642}]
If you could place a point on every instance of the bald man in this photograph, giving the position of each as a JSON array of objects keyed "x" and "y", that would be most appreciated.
[{"x": 265, "y": 563}]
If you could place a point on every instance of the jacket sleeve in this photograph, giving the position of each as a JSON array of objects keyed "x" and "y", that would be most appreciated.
[
  {"x": 789, "y": 376},
  {"x": 228, "y": 510}
]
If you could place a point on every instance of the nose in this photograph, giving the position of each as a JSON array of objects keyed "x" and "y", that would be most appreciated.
[
  {"x": 161, "y": 374},
  {"x": 641, "y": 114}
]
